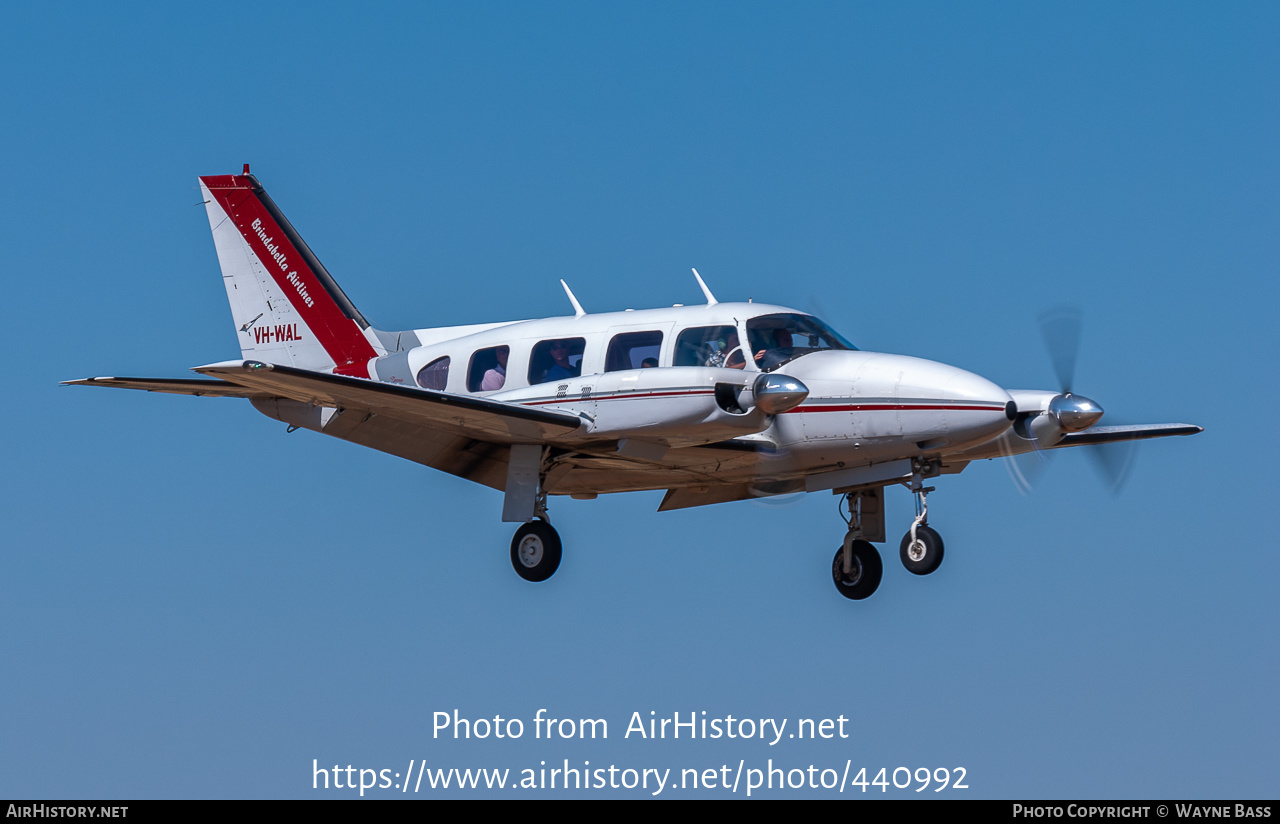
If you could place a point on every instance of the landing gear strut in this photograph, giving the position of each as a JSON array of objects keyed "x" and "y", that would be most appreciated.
[
  {"x": 535, "y": 549},
  {"x": 856, "y": 569},
  {"x": 921, "y": 549}
]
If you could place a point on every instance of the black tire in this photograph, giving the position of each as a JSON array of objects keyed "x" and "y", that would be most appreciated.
[
  {"x": 931, "y": 543},
  {"x": 535, "y": 551},
  {"x": 863, "y": 580}
]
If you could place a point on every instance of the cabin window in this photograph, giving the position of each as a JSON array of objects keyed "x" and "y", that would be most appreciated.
[
  {"x": 435, "y": 374},
  {"x": 631, "y": 350},
  {"x": 710, "y": 346},
  {"x": 488, "y": 370},
  {"x": 556, "y": 360}
]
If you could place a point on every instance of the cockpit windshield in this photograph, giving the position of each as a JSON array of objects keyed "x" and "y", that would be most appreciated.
[{"x": 777, "y": 339}]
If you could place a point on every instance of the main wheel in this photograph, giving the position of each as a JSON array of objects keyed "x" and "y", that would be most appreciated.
[
  {"x": 535, "y": 551},
  {"x": 923, "y": 556},
  {"x": 864, "y": 576}
]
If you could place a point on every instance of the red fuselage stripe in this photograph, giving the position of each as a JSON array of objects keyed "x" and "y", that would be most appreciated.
[
  {"x": 848, "y": 407},
  {"x": 627, "y": 397},
  {"x": 876, "y": 407}
]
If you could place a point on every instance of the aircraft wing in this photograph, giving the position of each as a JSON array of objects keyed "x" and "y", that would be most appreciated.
[
  {"x": 1008, "y": 444},
  {"x": 464, "y": 436},
  {"x": 1113, "y": 434},
  {"x": 472, "y": 417},
  {"x": 468, "y": 437}
]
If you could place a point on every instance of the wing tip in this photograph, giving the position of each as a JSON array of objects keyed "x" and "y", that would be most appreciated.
[{"x": 88, "y": 381}]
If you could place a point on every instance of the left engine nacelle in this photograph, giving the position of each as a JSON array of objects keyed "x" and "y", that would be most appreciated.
[
  {"x": 1047, "y": 417},
  {"x": 674, "y": 406}
]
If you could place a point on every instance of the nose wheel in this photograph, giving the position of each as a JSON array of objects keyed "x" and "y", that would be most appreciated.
[
  {"x": 922, "y": 552},
  {"x": 535, "y": 551}
]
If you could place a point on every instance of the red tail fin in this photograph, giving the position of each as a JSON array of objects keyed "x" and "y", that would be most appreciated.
[{"x": 287, "y": 307}]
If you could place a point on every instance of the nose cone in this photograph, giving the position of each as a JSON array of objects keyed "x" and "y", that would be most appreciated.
[{"x": 982, "y": 410}]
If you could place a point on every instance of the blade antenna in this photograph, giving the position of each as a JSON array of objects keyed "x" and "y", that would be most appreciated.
[
  {"x": 711, "y": 299},
  {"x": 578, "y": 311}
]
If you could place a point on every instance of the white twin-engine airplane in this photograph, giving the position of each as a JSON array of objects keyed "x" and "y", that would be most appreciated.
[{"x": 713, "y": 403}]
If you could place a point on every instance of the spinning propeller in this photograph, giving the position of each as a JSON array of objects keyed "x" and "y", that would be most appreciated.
[{"x": 1067, "y": 412}]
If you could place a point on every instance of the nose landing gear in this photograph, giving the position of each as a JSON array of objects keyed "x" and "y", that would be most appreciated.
[
  {"x": 922, "y": 552},
  {"x": 921, "y": 549}
]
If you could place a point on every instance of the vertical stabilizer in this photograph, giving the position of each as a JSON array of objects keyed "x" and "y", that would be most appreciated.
[{"x": 286, "y": 307}]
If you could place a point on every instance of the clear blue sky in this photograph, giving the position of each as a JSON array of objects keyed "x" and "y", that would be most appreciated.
[{"x": 193, "y": 603}]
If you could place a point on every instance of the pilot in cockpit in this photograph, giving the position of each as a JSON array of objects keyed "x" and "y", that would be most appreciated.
[{"x": 781, "y": 341}]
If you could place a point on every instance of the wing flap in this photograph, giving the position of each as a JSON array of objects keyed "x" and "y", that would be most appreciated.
[
  {"x": 703, "y": 496},
  {"x": 480, "y": 461},
  {"x": 462, "y": 416}
]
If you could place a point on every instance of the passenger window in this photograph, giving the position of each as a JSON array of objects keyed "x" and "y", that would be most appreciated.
[
  {"x": 631, "y": 349},
  {"x": 488, "y": 370},
  {"x": 555, "y": 360},
  {"x": 434, "y": 375},
  {"x": 710, "y": 346}
]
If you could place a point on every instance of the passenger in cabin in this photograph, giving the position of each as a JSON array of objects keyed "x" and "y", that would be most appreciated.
[
  {"x": 497, "y": 376},
  {"x": 648, "y": 363},
  {"x": 556, "y": 360},
  {"x": 729, "y": 355},
  {"x": 561, "y": 368}
]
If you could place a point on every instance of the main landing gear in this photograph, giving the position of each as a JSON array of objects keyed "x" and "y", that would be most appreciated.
[
  {"x": 535, "y": 549},
  {"x": 857, "y": 568}
]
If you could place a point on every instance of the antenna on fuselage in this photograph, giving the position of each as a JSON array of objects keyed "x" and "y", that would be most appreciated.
[
  {"x": 711, "y": 299},
  {"x": 578, "y": 311}
]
